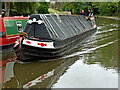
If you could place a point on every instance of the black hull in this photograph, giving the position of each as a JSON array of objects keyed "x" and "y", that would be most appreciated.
[{"x": 61, "y": 48}]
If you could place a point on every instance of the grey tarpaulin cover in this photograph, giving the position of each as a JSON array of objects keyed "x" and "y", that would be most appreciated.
[{"x": 54, "y": 27}]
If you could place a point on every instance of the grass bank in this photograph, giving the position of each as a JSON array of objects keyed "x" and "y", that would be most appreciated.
[{"x": 52, "y": 11}]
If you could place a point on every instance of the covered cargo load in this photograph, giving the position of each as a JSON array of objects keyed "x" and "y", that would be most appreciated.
[{"x": 53, "y": 27}]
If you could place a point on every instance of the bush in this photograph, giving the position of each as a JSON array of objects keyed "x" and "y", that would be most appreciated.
[{"x": 43, "y": 8}]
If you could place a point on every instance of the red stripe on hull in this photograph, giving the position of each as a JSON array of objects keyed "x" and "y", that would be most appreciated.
[{"x": 15, "y": 18}]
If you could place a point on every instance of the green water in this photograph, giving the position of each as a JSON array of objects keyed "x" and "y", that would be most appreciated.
[{"x": 92, "y": 64}]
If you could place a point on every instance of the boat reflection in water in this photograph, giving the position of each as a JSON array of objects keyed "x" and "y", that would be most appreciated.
[{"x": 39, "y": 74}]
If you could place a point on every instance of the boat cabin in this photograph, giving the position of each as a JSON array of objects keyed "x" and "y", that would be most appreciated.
[{"x": 10, "y": 28}]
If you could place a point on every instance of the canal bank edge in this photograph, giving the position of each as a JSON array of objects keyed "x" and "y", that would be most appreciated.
[{"x": 108, "y": 17}]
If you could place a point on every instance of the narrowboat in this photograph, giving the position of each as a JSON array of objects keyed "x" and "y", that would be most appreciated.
[
  {"x": 9, "y": 30},
  {"x": 49, "y": 36}
]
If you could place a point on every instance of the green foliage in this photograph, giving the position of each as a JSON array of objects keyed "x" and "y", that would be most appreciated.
[
  {"x": 28, "y": 8},
  {"x": 64, "y": 8},
  {"x": 22, "y": 8},
  {"x": 101, "y": 8},
  {"x": 76, "y": 7},
  {"x": 108, "y": 8},
  {"x": 43, "y": 8}
]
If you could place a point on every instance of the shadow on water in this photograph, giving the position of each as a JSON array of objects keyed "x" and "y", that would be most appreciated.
[{"x": 100, "y": 51}]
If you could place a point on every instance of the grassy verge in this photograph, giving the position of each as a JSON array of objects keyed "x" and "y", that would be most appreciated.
[{"x": 52, "y": 11}]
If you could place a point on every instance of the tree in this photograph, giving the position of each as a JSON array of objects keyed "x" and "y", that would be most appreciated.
[
  {"x": 108, "y": 8},
  {"x": 22, "y": 8},
  {"x": 7, "y": 7},
  {"x": 43, "y": 8}
]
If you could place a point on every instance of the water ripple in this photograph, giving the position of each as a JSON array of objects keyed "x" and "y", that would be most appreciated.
[{"x": 89, "y": 50}]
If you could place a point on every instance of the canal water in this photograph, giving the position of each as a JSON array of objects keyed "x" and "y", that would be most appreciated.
[{"x": 92, "y": 64}]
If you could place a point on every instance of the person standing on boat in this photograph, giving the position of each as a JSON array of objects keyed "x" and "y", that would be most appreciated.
[
  {"x": 83, "y": 13},
  {"x": 90, "y": 14},
  {"x": 3, "y": 13}
]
